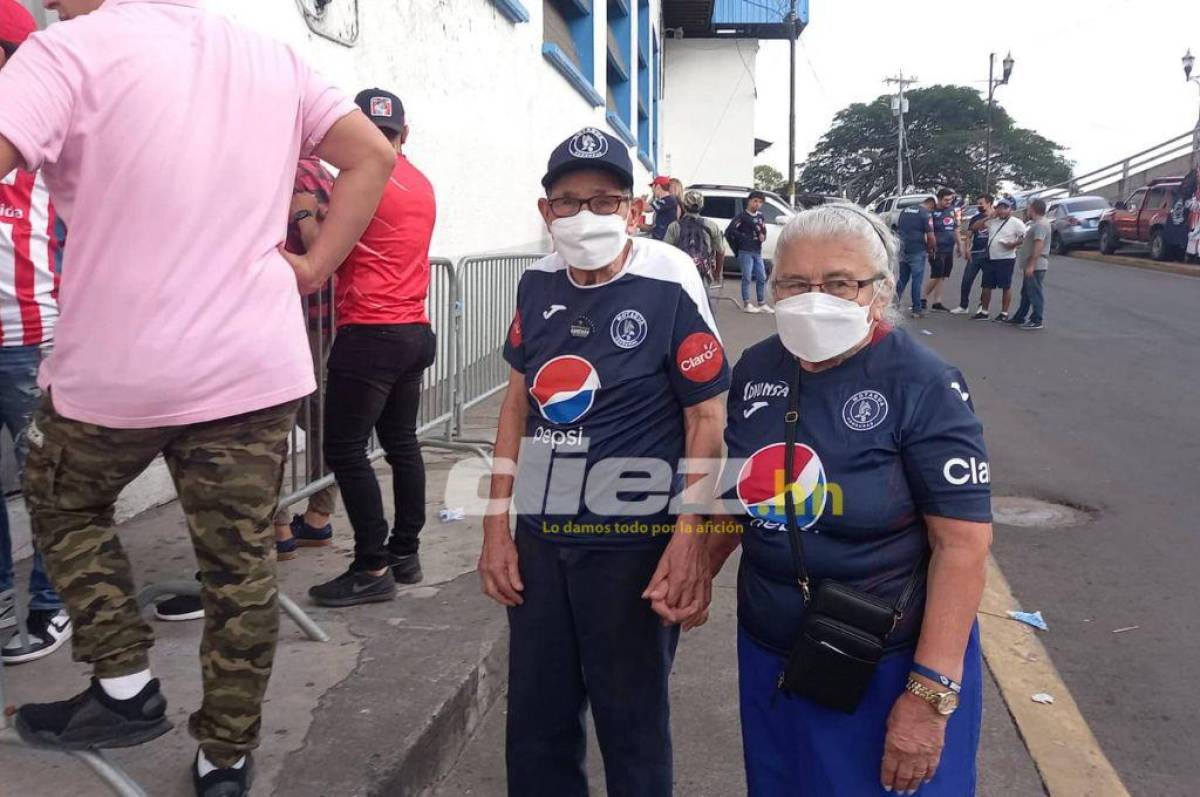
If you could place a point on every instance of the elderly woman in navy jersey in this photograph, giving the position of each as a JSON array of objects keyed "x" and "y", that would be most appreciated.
[{"x": 859, "y": 662}]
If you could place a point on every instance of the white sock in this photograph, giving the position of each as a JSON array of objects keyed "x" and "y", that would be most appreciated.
[
  {"x": 204, "y": 766},
  {"x": 126, "y": 686}
]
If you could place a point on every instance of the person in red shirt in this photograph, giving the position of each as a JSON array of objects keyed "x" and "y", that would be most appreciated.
[{"x": 384, "y": 344}]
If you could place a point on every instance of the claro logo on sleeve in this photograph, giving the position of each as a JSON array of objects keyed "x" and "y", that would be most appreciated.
[{"x": 700, "y": 357}]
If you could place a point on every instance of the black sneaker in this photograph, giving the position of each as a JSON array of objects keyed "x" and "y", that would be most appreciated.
[
  {"x": 94, "y": 719},
  {"x": 981, "y": 315},
  {"x": 406, "y": 569},
  {"x": 181, "y": 607},
  {"x": 230, "y": 782},
  {"x": 48, "y": 630},
  {"x": 1001, "y": 317},
  {"x": 1032, "y": 325},
  {"x": 354, "y": 587},
  {"x": 1016, "y": 322}
]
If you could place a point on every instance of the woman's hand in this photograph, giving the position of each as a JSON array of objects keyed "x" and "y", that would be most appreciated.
[{"x": 912, "y": 748}]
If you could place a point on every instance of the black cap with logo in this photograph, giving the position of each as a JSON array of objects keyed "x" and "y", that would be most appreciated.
[
  {"x": 383, "y": 108},
  {"x": 590, "y": 149}
]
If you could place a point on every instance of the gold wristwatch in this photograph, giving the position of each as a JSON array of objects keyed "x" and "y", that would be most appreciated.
[{"x": 943, "y": 703}]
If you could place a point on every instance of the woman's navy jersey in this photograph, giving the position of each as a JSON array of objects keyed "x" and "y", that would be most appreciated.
[
  {"x": 608, "y": 372},
  {"x": 884, "y": 439}
]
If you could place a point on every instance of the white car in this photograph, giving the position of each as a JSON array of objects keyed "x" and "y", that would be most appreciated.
[
  {"x": 889, "y": 207},
  {"x": 723, "y": 202}
]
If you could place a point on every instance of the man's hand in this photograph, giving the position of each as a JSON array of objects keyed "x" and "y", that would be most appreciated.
[
  {"x": 912, "y": 748},
  {"x": 302, "y": 200},
  {"x": 681, "y": 586},
  {"x": 499, "y": 576},
  {"x": 1029, "y": 270},
  {"x": 308, "y": 278}
]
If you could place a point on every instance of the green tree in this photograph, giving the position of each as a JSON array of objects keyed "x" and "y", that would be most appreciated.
[
  {"x": 768, "y": 178},
  {"x": 946, "y": 143}
]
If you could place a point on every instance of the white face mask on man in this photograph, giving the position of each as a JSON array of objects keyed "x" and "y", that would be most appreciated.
[
  {"x": 590, "y": 242},
  {"x": 817, "y": 327}
]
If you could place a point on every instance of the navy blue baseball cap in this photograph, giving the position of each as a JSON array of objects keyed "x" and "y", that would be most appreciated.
[
  {"x": 383, "y": 108},
  {"x": 590, "y": 149}
]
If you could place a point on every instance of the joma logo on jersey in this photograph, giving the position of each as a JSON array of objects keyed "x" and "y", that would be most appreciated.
[{"x": 9, "y": 212}]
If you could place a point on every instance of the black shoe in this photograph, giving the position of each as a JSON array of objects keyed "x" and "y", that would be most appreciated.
[
  {"x": 354, "y": 587},
  {"x": 49, "y": 629},
  {"x": 181, "y": 607},
  {"x": 1001, "y": 317},
  {"x": 1014, "y": 321},
  {"x": 939, "y": 307},
  {"x": 406, "y": 569},
  {"x": 231, "y": 782},
  {"x": 94, "y": 719},
  {"x": 1032, "y": 325},
  {"x": 980, "y": 315}
]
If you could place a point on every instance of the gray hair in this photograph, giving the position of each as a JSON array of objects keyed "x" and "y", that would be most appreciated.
[{"x": 844, "y": 220}]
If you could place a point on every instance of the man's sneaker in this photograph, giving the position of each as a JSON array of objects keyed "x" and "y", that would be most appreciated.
[
  {"x": 1014, "y": 321},
  {"x": 916, "y": 313},
  {"x": 231, "y": 782},
  {"x": 1001, "y": 317},
  {"x": 940, "y": 307},
  {"x": 95, "y": 719},
  {"x": 179, "y": 608},
  {"x": 980, "y": 315},
  {"x": 766, "y": 308},
  {"x": 1031, "y": 325},
  {"x": 307, "y": 536},
  {"x": 406, "y": 569},
  {"x": 48, "y": 631},
  {"x": 960, "y": 311},
  {"x": 354, "y": 587},
  {"x": 750, "y": 308}
]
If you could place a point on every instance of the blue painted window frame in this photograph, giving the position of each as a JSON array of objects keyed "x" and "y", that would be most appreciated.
[
  {"x": 620, "y": 69},
  {"x": 643, "y": 78},
  {"x": 513, "y": 10},
  {"x": 580, "y": 19}
]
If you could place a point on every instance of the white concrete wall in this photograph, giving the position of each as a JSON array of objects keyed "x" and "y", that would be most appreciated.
[{"x": 708, "y": 110}]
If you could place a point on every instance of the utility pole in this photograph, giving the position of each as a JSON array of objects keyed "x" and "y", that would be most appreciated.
[
  {"x": 993, "y": 84},
  {"x": 791, "y": 23},
  {"x": 899, "y": 106}
]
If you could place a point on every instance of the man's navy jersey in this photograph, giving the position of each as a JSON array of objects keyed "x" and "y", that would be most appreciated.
[
  {"x": 945, "y": 228},
  {"x": 666, "y": 210},
  {"x": 913, "y": 224},
  {"x": 749, "y": 230},
  {"x": 608, "y": 370},
  {"x": 884, "y": 439},
  {"x": 979, "y": 238}
]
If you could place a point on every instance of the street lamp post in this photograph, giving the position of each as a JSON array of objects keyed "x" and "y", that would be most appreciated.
[
  {"x": 993, "y": 83},
  {"x": 791, "y": 183},
  {"x": 1189, "y": 61}
]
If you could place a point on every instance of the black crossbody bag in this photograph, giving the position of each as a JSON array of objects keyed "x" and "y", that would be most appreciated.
[{"x": 844, "y": 631}]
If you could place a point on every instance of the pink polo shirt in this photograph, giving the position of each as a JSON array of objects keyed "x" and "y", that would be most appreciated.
[{"x": 169, "y": 138}]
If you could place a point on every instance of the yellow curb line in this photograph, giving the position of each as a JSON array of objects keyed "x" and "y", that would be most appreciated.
[
  {"x": 1133, "y": 262},
  {"x": 1062, "y": 746}
]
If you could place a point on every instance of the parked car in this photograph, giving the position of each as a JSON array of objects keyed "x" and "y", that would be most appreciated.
[
  {"x": 1074, "y": 222},
  {"x": 806, "y": 201},
  {"x": 723, "y": 202},
  {"x": 1140, "y": 220},
  {"x": 889, "y": 207}
]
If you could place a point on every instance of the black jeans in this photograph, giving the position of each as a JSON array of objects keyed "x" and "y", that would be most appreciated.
[
  {"x": 584, "y": 636},
  {"x": 375, "y": 384}
]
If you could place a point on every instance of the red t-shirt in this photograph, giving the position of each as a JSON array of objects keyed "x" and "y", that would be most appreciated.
[{"x": 385, "y": 279}]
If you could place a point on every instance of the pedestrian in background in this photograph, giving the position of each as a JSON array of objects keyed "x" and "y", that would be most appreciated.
[
  {"x": 384, "y": 345},
  {"x": 859, "y": 662},
  {"x": 177, "y": 336},
  {"x": 699, "y": 237},
  {"x": 1034, "y": 261},
  {"x": 747, "y": 233},
  {"x": 1005, "y": 233},
  {"x": 945, "y": 233},
  {"x": 30, "y": 251},
  {"x": 977, "y": 234},
  {"x": 918, "y": 245},
  {"x": 665, "y": 206}
]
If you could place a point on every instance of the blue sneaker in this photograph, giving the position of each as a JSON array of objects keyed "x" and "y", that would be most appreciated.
[{"x": 308, "y": 537}]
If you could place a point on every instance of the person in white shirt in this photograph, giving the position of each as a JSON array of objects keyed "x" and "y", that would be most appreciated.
[{"x": 1005, "y": 233}]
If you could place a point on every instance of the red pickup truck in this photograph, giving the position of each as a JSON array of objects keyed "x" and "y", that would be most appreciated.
[{"x": 1140, "y": 220}]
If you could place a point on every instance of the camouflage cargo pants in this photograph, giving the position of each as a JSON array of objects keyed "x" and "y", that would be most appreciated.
[{"x": 228, "y": 474}]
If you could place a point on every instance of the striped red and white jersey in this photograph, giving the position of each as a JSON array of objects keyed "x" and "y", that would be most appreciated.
[{"x": 30, "y": 255}]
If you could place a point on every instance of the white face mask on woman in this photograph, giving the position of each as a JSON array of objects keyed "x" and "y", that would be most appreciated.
[
  {"x": 588, "y": 241},
  {"x": 817, "y": 327}
]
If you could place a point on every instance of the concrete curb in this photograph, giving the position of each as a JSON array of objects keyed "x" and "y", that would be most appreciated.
[{"x": 1137, "y": 262}]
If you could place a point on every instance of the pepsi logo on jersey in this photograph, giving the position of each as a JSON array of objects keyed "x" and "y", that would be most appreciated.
[{"x": 564, "y": 388}]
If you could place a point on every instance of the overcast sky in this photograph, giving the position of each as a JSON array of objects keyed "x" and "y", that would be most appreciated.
[{"x": 1103, "y": 78}]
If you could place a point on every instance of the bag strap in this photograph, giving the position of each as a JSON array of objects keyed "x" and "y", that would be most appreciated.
[{"x": 792, "y": 420}]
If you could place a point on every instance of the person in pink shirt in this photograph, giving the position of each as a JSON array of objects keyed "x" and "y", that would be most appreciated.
[{"x": 180, "y": 334}]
